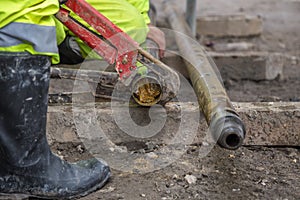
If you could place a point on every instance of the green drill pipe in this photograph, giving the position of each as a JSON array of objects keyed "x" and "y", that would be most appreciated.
[{"x": 225, "y": 125}]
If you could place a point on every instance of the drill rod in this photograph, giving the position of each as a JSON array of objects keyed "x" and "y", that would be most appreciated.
[{"x": 225, "y": 125}]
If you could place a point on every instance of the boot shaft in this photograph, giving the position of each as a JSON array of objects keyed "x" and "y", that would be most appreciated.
[
  {"x": 27, "y": 166},
  {"x": 24, "y": 83}
]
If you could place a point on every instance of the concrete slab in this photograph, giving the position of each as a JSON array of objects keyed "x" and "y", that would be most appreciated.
[
  {"x": 229, "y": 25},
  {"x": 266, "y": 123},
  {"x": 250, "y": 65},
  {"x": 239, "y": 65}
]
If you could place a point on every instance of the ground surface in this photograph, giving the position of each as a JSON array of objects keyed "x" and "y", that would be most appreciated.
[
  {"x": 264, "y": 91},
  {"x": 248, "y": 173}
]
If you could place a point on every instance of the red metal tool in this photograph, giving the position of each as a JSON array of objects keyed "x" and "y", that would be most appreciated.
[{"x": 116, "y": 47}]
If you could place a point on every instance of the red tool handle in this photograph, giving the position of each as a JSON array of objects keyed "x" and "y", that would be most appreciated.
[
  {"x": 108, "y": 52},
  {"x": 124, "y": 51}
]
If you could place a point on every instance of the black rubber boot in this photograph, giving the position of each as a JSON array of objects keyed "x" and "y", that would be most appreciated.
[{"x": 27, "y": 165}]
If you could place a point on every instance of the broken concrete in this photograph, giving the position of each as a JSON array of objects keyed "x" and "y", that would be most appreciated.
[
  {"x": 266, "y": 123},
  {"x": 229, "y": 25}
]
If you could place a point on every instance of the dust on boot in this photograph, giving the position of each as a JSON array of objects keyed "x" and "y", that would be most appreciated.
[{"x": 27, "y": 165}]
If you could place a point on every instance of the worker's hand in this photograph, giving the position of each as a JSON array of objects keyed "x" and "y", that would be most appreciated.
[{"x": 158, "y": 37}]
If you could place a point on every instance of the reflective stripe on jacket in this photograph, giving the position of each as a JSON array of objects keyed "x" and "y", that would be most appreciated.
[{"x": 29, "y": 25}]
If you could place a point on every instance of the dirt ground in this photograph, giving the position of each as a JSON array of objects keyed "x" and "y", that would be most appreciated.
[
  {"x": 251, "y": 172},
  {"x": 248, "y": 173},
  {"x": 264, "y": 91}
]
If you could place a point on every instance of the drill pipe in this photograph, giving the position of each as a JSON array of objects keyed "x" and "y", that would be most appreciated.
[
  {"x": 146, "y": 90},
  {"x": 101, "y": 77},
  {"x": 225, "y": 125}
]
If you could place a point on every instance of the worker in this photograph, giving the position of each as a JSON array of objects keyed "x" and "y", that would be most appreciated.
[
  {"x": 129, "y": 15},
  {"x": 28, "y": 45},
  {"x": 29, "y": 34}
]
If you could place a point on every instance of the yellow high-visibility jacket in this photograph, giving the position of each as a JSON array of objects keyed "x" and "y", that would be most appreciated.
[
  {"x": 29, "y": 26},
  {"x": 129, "y": 15}
]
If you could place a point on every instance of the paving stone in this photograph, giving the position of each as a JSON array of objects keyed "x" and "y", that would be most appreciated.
[{"x": 229, "y": 25}]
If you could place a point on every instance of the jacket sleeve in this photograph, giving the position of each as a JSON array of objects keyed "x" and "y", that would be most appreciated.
[{"x": 143, "y": 7}]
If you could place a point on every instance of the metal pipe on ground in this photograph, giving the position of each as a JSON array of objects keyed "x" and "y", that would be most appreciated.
[
  {"x": 146, "y": 90},
  {"x": 191, "y": 15},
  {"x": 101, "y": 77},
  {"x": 225, "y": 125}
]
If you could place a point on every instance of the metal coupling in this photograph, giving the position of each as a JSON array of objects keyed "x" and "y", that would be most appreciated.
[{"x": 228, "y": 130}]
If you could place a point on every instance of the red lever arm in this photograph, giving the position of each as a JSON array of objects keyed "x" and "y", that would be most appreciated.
[
  {"x": 124, "y": 55},
  {"x": 108, "y": 52}
]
